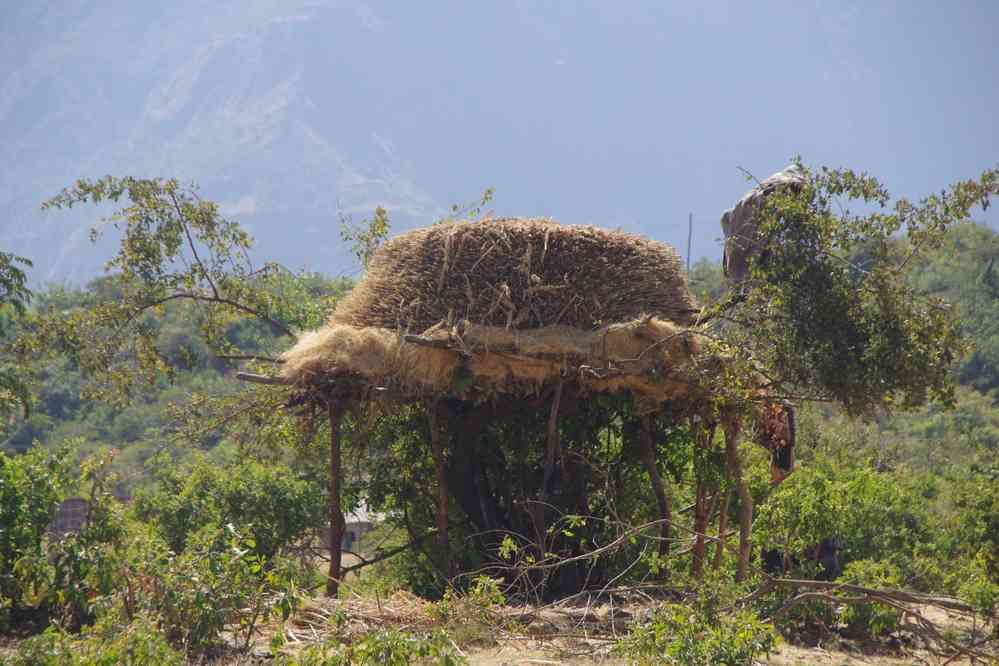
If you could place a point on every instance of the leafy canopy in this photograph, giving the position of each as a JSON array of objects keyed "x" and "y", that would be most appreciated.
[{"x": 829, "y": 310}]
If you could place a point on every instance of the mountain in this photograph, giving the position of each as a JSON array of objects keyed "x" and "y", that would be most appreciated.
[
  {"x": 242, "y": 101},
  {"x": 630, "y": 115}
]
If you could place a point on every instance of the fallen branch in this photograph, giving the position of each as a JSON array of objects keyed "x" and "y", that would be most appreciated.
[
  {"x": 902, "y": 601},
  {"x": 890, "y": 594},
  {"x": 385, "y": 554}
]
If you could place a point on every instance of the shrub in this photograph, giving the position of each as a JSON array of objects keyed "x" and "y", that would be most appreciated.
[
  {"x": 140, "y": 643},
  {"x": 871, "y": 619},
  {"x": 31, "y": 486},
  {"x": 266, "y": 502},
  {"x": 875, "y": 516},
  {"x": 685, "y": 636},
  {"x": 217, "y": 583},
  {"x": 382, "y": 648}
]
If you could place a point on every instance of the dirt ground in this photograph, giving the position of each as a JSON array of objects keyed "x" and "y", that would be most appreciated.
[{"x": 586, "y": 634}]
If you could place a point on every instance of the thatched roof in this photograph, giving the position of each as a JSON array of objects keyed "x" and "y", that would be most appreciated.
[
  {"x": 510, "y": 305},
  {"x": 518, "y": 273}
]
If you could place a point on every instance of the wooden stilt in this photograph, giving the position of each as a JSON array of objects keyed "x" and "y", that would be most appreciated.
[
  {"x": 722, "y": 525},
  {"x": 443, "y": 542},
  {"x": 703, "y": 438},
  {"x": 732, "y": 427},
  {"x": 335, "y": 513},
  {"x": 540, "y": 507},
  {"x": 648, "y": 451}
]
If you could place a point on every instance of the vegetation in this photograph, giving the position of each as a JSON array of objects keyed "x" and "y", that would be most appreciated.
[{"x": 131, "y": 387}]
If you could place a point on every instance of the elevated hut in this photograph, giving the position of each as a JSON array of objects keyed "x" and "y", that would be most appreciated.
[{"x": 507, "y": 308}]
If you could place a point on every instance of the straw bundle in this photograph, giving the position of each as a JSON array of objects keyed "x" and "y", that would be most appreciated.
[
  {"x": 646, "y": 356},
  {"x": 517, "y": 273}
]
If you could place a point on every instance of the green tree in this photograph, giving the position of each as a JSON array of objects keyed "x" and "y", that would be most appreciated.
[{"x": 829, "y": 310}]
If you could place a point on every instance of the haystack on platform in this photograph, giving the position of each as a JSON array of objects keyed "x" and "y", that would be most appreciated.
[
  {"x": 465, "y": 318},
  {"x": 510, "y": 304}
]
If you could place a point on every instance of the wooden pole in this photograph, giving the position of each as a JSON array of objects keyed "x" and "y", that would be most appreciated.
[
  {"x": 443, "y": 541},
  {"x": 690, "y": 235},
  {"x": 732, "y": 427},
  {"x": 541, "y": 506},
  {"x": 722, "y": 525},
  {"x": 658, "y": 487},
  {"x": 335, "y": 513},
  {"x": 703, "y": 438}
]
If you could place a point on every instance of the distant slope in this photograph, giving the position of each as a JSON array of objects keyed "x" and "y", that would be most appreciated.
[{"x": 235, "y": 97}]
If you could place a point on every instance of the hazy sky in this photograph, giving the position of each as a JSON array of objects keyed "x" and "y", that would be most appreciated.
[
  {"x": 668, "y": 99},
  {"x": 625, "y": 114}
]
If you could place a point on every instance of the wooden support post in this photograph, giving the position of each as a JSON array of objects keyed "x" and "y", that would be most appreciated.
[
  {"x": 443, "y": 541},
  {"x": 541, "y": 506},
  {"x": 335, "y": 513},
  {"x": 703, "y": 438},
  {"x": 648, "y": 450},
  {"x": 552, "y": 448},
  {"x": 722, "y": 525},
  {"x": 732, "y": 427}
]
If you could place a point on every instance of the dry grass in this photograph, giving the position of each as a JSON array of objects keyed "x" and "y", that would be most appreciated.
[
  {"x": 517, "y": 273},
  {"x": 646, "y": 356}
]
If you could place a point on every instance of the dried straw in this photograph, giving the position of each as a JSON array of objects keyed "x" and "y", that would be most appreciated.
[{"x": 517, "y": 273}]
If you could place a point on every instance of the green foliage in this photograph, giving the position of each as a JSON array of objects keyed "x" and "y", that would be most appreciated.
[
  {"x": 266, "y": 502},
  {"x": 388, "y": 647},
  {"x": 31, "y": 486},
  {"x": 14, "y": 298},
  {"x": 140, "y": 643},
  {"x": 175, "y": 249},
  {"x": 977, "y": 503},
  {"x": 366, "y": 237},
  {"x": 875, "y": 516},
  {"x": 707, "y": 281},
  {"x": 699, "y": 634},
  {"x": 216, "y": 583},
  {"x": 871, "y": 619},
  {"x": 963, "y": 272},
  {"x": 829, "y": 309}
]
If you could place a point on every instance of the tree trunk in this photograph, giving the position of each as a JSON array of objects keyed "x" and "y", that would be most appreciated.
[
  {"x": 745, "y": 499},
  {"x": 335, "y": 513},
  {"x": 722, "y": 526},
  {"x": 443, "y": 541},
  {"x": 658, "y": 487}
]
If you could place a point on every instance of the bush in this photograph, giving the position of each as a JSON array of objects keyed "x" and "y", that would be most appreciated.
[
  {"x": 685, "y": 636},
  {"x": 873, "y": 514},
  {"x": 217, "y": 583},
  {"x": 871, "y": 619},
  {"x": 140, "y": 643},
  {"x": 382, "y": 648},
  {"x": 267, "y": 503}
]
